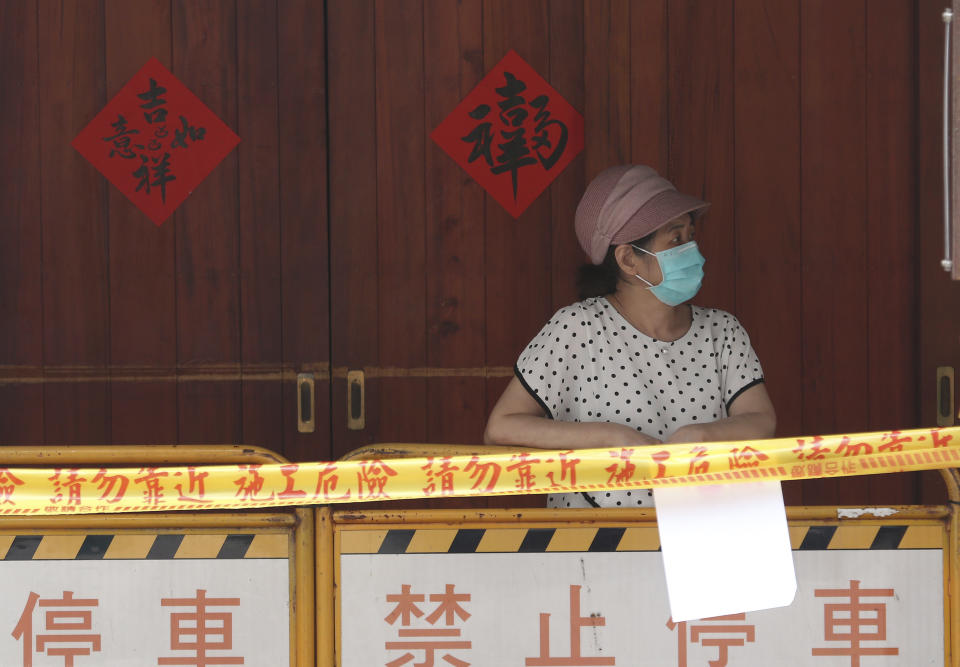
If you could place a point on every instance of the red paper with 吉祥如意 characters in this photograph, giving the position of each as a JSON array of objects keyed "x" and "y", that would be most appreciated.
[{"x": 155, "y": 141}]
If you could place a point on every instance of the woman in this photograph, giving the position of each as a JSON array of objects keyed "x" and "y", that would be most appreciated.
[{"x": 632, "y": 363}]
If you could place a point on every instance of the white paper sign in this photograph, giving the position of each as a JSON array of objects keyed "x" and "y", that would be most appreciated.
[{"x": 726, "y": 549}]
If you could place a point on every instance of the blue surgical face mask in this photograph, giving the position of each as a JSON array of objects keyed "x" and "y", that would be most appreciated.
[{"x": 682, "y": 269}]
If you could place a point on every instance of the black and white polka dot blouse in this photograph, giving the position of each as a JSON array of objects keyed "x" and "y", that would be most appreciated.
[{"x": 589, "y": 364}]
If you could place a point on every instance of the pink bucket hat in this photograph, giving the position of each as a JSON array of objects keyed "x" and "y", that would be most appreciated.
[{"x": 626, "y": 203}]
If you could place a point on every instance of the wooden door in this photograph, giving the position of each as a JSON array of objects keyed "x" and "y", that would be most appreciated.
[
  {"x": 796, "y": 119},
  {"x": 118, "y": 331},
  {"x": 337, "y": 237},
  {"x": 938, "y": 297}
]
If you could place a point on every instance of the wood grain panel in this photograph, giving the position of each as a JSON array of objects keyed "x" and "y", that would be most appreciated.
[
  {"x": 767, "y": 195},
  {"x": 74, "y": 220},
  {"x": 835, "y": 350},
  {"x": 142, "y": 257},
  {"x": 21, "y": 254},
  {"x": 454, "y": 214},
  {"x": 567, "y": 76},
  {"x": 354, "y": 292},
  {"x": 891, "y": 241},
  {"x": 208, "y": 286},
  {"x": 401, "y": 240},
  {"x": 701, "y": 133},
  {"x": 649, "y": 85},
  {"x": 258, "y": 217},
  {"x": 938, "y": 298},
  {"x": 517, "y": 269},
  {"x": 606, "y": 66},
  {"x": 304, "y": 221}
]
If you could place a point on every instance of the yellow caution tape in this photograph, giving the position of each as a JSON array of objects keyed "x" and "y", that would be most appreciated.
[{"x": 106, "y": 490}]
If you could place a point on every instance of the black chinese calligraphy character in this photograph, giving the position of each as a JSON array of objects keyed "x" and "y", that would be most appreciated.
[
  {"x": 481, "y": 136},
  {"x": 514, "y": 152},
  {"x": 161, "y": 175},
  {"x": 142, "y": 173},
  {"x": 511, "y": 106},
  {"x": 180, "y": 136},
  {"x": 121, "y": 140},
  {"x": 152, "y": 100},
  {"x": 480, "y": 112},
  {"x": 541, "y": 138}
]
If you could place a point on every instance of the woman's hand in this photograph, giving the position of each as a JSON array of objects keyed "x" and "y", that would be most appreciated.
[
  {"x": 688, "y": 433},
  {"x": 618, "y": 435}
]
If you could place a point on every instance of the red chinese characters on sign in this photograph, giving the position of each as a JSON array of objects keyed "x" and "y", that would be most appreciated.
[
  {"x": 568, "y": 470},
  {"x": 327, "y": 480},
  {"x": 660, "y": 458},
  {"x": 153, "y": 489},
  {"x": 847, "y": 448},
  {"x": 439, "y": 470},
  {"x": 372, "y": 479},
  {"x": 68, "y": 622},
  {"x": 420, "y": 633},
  {"x": 250, "y": 484},
  {"x": 746, "y": 457},
  {"x": 114, "y": 487},
  {"x": 68, "y": 630},
  {"x": 938, "y": 438},
  {"x": 523, "y": 467},
  {"x": 8, "y": 483},
  {"x": 854, "y": 622},
  {"x": 623, "y": 470},
  {"x": 488, "y": 472},
  {"x": 894, "y": 442},
  {"x": 577, "y": 624},
  {"x": 513, "y": 134},
  {"x": 155, "y": 141},
  {"x": 717, "y": 631},
  {"x": 69, "y": 481},
  {"x": 194, "y": 486},
  {"x": 200, "y": 631},
  {"x": 699, "y": 464},
  {"x": 815, "y": 452},
  {"x": 289, "y": 492}
]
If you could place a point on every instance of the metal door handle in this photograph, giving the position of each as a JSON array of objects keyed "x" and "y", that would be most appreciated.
[
  {"x": 945, "y": 396},
  {"x": 947, "y": 261},
  {"x": 305, "y": 403},
  {"x": 356, "y": 417}
]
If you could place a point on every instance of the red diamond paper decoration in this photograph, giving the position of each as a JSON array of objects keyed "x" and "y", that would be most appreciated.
[
  {"x": 156, "y": 141},
  {"x": 513, "y": 134}
]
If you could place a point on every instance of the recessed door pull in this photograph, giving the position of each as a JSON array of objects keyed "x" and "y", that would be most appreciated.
[
  {"x": 356, "y": 408},
  {"x": 305, "y": 403},
  {"x": 945, "y": 410}
]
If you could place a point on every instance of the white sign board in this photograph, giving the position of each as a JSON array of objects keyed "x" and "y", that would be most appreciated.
[
  {"x": 125, "y": 613},
  {"x": 852, "y": 607}
]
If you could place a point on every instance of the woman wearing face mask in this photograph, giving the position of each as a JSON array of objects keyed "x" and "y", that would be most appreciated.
[{"x": 633, "y": 363}]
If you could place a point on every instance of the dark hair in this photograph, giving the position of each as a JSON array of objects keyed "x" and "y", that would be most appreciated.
[{"x": 601, "y": 279}]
